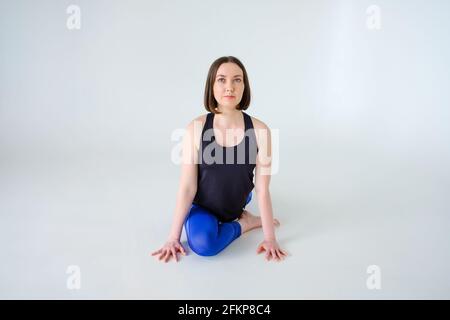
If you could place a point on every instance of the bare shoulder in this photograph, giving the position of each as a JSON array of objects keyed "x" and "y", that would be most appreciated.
[
  {"x": 258, "y": 124},
  {"x": 196, "y": 122},
  {"x": 201, "y": 118},
  {"x": 262, "y": 132},
  {"x": 195, "y": 127}
]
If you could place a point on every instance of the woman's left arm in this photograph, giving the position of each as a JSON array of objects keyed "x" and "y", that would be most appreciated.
[{"x": 262, "y": 181}]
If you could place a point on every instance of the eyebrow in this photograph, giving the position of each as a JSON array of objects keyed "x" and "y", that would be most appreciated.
[{"x": 221, "y": 75}]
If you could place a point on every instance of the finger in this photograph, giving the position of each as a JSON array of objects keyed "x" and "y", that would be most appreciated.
[
  {"x": 156, "y": 252},
  {"x": 279, "y": 255},
  {"x": 162, "y": 257},
  {"x": 284, "y": 252},
  {"x": 260, "y": 249},
  {"x": 267, "y": 255},
  {"x": 182, "y": 249},
  {"x": 274, "y": 254},
  {"x": 174, "y": 254},
  {"x": 169, "y": 254}
]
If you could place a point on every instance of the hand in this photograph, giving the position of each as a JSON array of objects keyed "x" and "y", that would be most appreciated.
[
  {"x": 170, "y": 249},
  {"x": 273, "y": 250}
]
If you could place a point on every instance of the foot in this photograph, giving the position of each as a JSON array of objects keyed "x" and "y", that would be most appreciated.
[{"x": 249, "y": 221}]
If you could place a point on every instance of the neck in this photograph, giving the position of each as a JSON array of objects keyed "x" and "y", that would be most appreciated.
[{"x": 229, "y": 117}]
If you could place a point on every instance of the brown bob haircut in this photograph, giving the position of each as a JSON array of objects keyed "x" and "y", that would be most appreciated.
[{"x": 209, "y": 100}]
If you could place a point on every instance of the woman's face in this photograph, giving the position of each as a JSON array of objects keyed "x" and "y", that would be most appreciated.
[{"x": 228, "y": 85}]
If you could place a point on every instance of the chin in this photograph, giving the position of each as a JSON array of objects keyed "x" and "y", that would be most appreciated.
[{"x": 230, "y": 106}]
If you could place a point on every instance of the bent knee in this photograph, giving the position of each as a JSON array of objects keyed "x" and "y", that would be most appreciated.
[{"x": 202, "y": 243}]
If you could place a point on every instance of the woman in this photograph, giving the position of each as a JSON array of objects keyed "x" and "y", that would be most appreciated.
[{"x": 220, "y": 152}]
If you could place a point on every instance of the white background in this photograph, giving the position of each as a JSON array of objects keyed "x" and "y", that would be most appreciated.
[{"x": 86, "y": 117}]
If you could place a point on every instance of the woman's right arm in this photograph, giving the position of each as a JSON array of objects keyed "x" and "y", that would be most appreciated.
[
  {"x": 186, "y": 191},
  {"x": 188, "y": 182}
]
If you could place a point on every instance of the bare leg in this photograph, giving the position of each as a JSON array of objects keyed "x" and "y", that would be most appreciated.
[{"x": 248, "y": 221}]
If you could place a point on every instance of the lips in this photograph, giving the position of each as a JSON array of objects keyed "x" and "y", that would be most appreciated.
[{"x": 229, "y": 97}]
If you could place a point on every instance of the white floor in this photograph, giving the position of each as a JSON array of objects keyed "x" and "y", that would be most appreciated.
[{"x": 105, "y": 214}]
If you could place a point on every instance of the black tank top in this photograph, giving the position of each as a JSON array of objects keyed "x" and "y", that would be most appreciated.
[{"x": 225, "y": 174}]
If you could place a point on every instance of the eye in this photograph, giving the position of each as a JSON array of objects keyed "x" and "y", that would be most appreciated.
[
  {"x": 220, "y": 79},
  {"x": 238, "y": 80}
]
